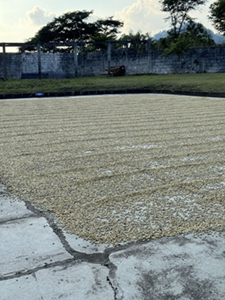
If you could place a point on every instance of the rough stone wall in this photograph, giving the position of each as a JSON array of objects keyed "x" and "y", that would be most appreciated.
[
  {"x": 29, "y": 63},
  {"x": 197, "y": 60},
  {"x": 14, "y": 65},
  {"x": 62, "y": 65}
]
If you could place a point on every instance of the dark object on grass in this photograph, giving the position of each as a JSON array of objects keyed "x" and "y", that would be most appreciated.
[
  {"x": 33, "y": 75},
  {"x": 115, "y": 71}
]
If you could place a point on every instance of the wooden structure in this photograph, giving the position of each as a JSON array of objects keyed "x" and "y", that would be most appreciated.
[{"x": 115, "y": 71}]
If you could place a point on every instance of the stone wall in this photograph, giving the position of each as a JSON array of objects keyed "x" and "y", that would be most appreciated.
[{"x": 62, "y": 65}]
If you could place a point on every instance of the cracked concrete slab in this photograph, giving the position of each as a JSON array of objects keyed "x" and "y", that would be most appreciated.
[
  {"x": 172, "y": 268},
  {"x": 28, "y": 243},
  {"x": 11, "y": 208},
  {"x": 20, "y": 289},
  {"x": 80, "y": 245},
  {"x": 38, "y": 262},
  {"x": 75, "y": 281}
]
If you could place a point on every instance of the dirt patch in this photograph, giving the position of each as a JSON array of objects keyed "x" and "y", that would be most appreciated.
[{"x": 120, "y": 168}]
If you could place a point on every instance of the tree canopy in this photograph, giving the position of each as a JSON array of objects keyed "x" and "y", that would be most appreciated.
[
  {"x": 198, "y": 35},
  {"x": 106, "y": 30},
  {"x": 74, "y": 27},
  {"x": 179, "y": 13},
  {"x": 136, "y": 37},
  {"x": 71, "y": 26},
  {"x": 184, "y": 33},
  {"x": 217, "y": 15},
  {"x": 192, "y": 35}
]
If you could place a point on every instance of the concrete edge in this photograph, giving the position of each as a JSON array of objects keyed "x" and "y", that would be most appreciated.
[{"x": 108, "y": 92}]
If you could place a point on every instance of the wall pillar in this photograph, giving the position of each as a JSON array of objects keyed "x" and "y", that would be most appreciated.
[
  {"x": 148, "y": 49},
  {"x": 4, "y": 63},
  {"x": 126, "y": 59},
  {"x": 39, "y": 60},
  {"x": 109, "y": 58},
  {"x": 75, "y": 59}
]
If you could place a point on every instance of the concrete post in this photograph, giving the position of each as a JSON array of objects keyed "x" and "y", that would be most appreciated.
[
  {"x": 4, "y": 63},
  {"x": 126, "y": 58},
  {"x": 109, "y": 58},
  {"x": 39, "y": 60},
  {"x": 75, "y": 59},
  {"x": 83, "y": 61},
  {"x": 159, "y": 44},
  {"x": 148, "y": 48}
]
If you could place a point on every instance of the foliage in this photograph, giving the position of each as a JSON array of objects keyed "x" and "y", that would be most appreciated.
[
  {"x": 73, "y": 27},
  {"x": 217, "y": 10},
  {"x": 179, "y": 13},
  {"x": 179, "y": 47},
  {"x": 194, "y": 34},
  {"x": 107, "y": 30},
  {"x": 137, "y": 37},
  {"x": 198, "y": 35},
  {"x": 69, "y": 27}
]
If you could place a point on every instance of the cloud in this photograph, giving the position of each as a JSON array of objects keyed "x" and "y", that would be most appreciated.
[
  {"x": 144, "y": 15},
  {"x": 38, "y": 16}
]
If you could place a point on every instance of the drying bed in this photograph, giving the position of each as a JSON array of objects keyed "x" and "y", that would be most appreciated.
[{"x": 118, "y": 169}]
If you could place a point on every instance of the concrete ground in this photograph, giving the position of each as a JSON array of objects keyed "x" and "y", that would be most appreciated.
[{"x": 39, "y": 261}]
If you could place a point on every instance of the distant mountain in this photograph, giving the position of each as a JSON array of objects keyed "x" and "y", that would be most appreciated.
[
  {"x": 218, "y": 38},
  {"x": 159, "y": 35}
]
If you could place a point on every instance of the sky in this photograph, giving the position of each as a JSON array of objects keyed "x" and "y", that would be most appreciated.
[{"x": 21, "y": 19}]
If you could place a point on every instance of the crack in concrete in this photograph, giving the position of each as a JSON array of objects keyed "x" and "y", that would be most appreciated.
[
  {"x": 48, "y": 216},
  {"x": 113, "y": 288},
  {"x": 97, "y": 258},
  {"x": 17, "y": 219},
  {"x": 94, "y": 258},
  {"x": 111, "y": 279},
  {"x": 78, "y": 257},
  {"x": 22, "y": 273}
]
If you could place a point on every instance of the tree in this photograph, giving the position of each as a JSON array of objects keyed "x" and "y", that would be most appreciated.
[
  {"x": 217, "y": 10},
  {"x": 198, "y": 35},
  {"x": 179, "y": 13},
  {"x": 192, "y": 35},
  {"x": 106, "y": 30},
  {"x": 136, "y": 37},
  {"x": 73, "y": 27},
  {"x": 180, "y": 47}
]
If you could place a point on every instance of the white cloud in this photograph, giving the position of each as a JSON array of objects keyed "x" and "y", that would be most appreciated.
[
  {"x": 39, "y": 16},
  {"x": 144, "y": 15}
]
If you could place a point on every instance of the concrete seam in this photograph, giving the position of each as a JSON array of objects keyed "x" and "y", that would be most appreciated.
[
  {"x": 54, "y": 227},
  {"x": 22, "y": 273},
  {"x": 113, "y": 288},
  {"x": 118, "y": 293},
  {"x": 18, "y": 219},
  {"x": 97, "y": 258}
]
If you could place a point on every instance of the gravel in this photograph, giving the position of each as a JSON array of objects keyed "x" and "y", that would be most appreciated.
[{"x": 118, "y": 169}]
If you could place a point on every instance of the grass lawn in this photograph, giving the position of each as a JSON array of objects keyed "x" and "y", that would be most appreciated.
[{"x": 177, "y": 82}]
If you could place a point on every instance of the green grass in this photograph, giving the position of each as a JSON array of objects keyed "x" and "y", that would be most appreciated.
[{"x": 177, "y": 82}]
